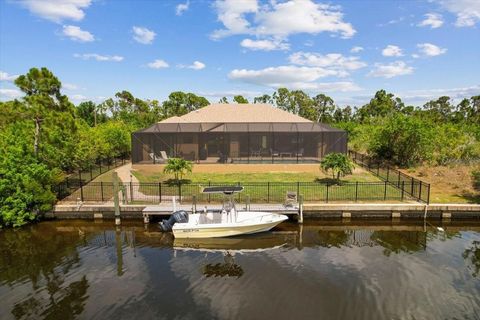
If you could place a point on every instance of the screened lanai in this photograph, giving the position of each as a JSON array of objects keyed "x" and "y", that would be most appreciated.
[{"x": 297, "y": 141}]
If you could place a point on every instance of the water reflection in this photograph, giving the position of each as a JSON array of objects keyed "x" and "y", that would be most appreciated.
[
  {"x": 327, "y": 269},
  {"x": 472, "y": 255}
]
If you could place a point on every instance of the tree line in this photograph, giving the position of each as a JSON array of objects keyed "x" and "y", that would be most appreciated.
[{"x": 44, "y": 137}]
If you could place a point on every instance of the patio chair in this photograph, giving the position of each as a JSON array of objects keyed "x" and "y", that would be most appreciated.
[
  {"x": 164, "y": 155},
  {"x": 274, "y": 153},
  {"x": 291, "y": 199},
  {"x": 300, "y": 153},
  {"x": 156, "y": 158}
]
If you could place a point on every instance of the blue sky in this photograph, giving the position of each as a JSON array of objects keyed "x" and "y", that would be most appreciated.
[{"x": 418, "y": 50}]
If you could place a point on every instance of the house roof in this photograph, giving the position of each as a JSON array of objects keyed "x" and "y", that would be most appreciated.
[
  {"x": 238, "y": 118},
  {"x": 237, "y": 113}
]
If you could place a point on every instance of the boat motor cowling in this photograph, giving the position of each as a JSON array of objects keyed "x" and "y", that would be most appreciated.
[{"x": 180, "y": 216}]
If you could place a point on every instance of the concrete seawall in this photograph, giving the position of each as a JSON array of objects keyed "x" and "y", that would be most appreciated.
[{"x": 310, "y": 210}]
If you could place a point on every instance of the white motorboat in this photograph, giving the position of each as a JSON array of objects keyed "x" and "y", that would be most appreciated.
[{"x": 225, "y": 223}]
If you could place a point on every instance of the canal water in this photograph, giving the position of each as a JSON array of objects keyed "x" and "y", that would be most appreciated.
[{"x": 321, "y": 270}]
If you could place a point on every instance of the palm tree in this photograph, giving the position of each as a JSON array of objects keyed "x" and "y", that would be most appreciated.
[
  {"x": 178, "y": 167},
  {"x": 339, "y": 163}
]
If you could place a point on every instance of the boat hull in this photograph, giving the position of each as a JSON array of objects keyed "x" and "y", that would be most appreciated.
[{"x": 191, "y": 230}]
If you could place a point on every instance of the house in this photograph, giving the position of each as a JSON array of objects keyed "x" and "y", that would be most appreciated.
[{"x": 237, "y": 133}]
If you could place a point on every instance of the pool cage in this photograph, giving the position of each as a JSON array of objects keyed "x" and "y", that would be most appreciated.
[{"x": 302, "y": 142}]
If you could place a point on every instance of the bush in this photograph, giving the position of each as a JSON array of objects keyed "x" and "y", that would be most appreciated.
[
  {"x": 403, "y": 140},
  {"x": 339, "y": 163}
]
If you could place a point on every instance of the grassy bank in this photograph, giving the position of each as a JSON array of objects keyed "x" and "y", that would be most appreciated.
[{"x": 449, "y": 184}]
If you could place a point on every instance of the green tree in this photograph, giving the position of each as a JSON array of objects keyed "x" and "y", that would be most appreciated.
[
  {"x": 45, "y": 105},
  {"x": 180, "y": 103},
  {"x": 223, "y": 100},
  {"x": 323, "y": 108},
  {"x": 91, "y": 113},
  {"x": 263, "y": 99},
  {"x": 240, "y": 99},
  {"x": 338, "y": 163},
  {"x": 382, "y": 105},
  {"x": 179, "y": 167},
  {"x": 440, "y": 109},
  {"x": 403, "y": 140},
  {"x": 26, "y": 183}
]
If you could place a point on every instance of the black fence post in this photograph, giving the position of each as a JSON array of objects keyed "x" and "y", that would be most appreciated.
[
  {"x": 298, "y": 188},
  {"x": 398, "y": 183},
  {"x": 327, "y": 194},
  {"x": 160, "y": 192},
  {"x": 403, "y": 189},
  {"x": 420, "y": 191},
  {"x": 411, "y": 189},
  {"x": 180, "y": 192},
  {"x": 428, "y": 193},
  {"x": 356, "y": 191},
  {"x": 388, "y": 172},
  {"x": 209, "y": 184},
  {"x": 81, "y": 184},
  {"x": 101, "y": 190},
  {"x": 91, "y": 174},
  {"x": 268, "y": 192},
  {"x": 131, "y": 191},
  {"x": 385, "y": 192}
]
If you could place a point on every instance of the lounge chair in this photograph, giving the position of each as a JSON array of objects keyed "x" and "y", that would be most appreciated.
[
  {"x": 164, "y": 155},
  {"x": 155, "y": 158}
]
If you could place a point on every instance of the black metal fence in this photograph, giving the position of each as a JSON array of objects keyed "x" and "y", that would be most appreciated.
[
  {"x": 411, "y": 186},
  {"x": 77, "y": 180},
  {"x": 260, "y": 192}
]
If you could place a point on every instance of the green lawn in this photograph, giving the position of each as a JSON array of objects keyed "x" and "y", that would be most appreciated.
[{"x": 361, "y": 176}]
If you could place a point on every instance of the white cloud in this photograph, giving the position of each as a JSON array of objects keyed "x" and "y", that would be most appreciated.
[
  {"x": 77, "y": 34},
  {"x": 394, "y": 69},
  {"x": 57, "y": 10},
  {"x": 293, "y": 77},
  {"x": 143, "y": 35},
  {"x": 181, "y": 8},
  {"x": 69, "y": 86},
  {"x": 4, "y": 76},
  {"x": 280, "y": 76},
  {"x": 279, "y": 19},
  {"x": 78, "y": 98},
  {"x": 9, "y": 94},
  {"x": 457, "y": 94},
  {"x": 467, "y": 11},
  {"x": 196, "y": 65},
  {"x": 392, "y": 51},
  {"x": 264, "y": 45},
  {"x": 98, "y": 57},
  {"x": 158, "y": 64},
  {"x": 433, "y": 20},
  {"x": 231, "y": 13},
  {"x": 430, "y": 50},
  {"x": 356, "y": 49},
  {"x": 332, "y": 61}
]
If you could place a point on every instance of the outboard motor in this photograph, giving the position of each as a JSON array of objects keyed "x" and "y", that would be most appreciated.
[{"x": 180, "y": 216}]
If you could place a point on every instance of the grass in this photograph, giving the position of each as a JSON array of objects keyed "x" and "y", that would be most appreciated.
[
  {"x": 245, "y": 177},
  {"x": 449, "y": 184},
  {"x": 270, "y": 186}
]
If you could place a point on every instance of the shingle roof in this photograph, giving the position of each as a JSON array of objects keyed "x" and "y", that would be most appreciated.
[
  {"x": 238, "y": 118},
  {"x": 237, "y": 113}
]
